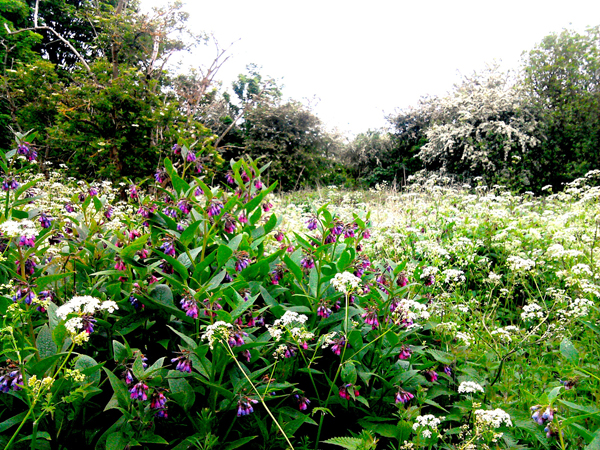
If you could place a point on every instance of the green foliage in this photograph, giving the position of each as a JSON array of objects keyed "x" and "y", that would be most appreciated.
[{"x": 563, "y": 76}]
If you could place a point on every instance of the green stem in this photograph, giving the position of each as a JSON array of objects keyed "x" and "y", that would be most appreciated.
[{"x": 228, "y": 348}]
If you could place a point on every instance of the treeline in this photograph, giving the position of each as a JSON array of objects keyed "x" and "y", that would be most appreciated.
[
  {"x": 535, "y": 127},
  {"x": 92, "y": 79}
]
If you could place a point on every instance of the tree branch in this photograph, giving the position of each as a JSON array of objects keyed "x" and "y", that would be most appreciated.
[{"x": 61, "y": 38}]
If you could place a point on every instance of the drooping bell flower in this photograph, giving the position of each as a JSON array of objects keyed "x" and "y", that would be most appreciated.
[
  {"x": 184, "y": 363},
  {"x": 245, "y": 406},
  {"x": 139, "y": 391},
  {"x": 346, "y": 391},
  {"x": 431, "y": 375},
  {"x": 405, "y": 352},
  {"x": 303, "y": 402},
  {"x": 403, "y": 396},
  {"x": 215, "y": 207}
]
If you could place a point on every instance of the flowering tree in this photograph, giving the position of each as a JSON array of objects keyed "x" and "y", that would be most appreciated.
[{"x": 484, "y": 127}]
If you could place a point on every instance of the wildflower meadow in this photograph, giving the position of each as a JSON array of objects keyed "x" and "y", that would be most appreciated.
[{"x": 202, "y": 312}]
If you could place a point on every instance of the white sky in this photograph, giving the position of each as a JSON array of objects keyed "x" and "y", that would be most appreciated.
[{"x": 358, "y": 61}]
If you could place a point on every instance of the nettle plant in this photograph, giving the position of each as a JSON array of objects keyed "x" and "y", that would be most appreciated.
[{"x": 187, "y": 316}]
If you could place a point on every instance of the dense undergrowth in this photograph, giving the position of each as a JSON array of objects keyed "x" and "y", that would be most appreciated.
[{"x": 189, "y": 316}]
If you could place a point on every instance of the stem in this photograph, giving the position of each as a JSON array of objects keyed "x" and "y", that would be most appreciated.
[{"x": 228, "y": 348}]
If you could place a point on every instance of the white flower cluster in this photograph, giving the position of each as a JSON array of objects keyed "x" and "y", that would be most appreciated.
[
  {"x": 494, "y": 418},
  {"x": 345, "y": 282},
  {"x": 469, "y": 387},
  {"x": 85, "y": 305},
  {"x": 215, "y": 332},
  {"x": 580, "y": 307},
  {"x": 532, "y": 311},
  {"x": 429, "y": 422},
  {"x": 328, "y": 339},
  {"x": 290, "y": 318},
  {"x": 411, "y": 311},
  {"x": 465, "y": 337},
  {"x": 454, "y": 276},
  {"x": 428, "y": 271},
  {"x": 494, "y": 278},
  {"x": 14, "y": 228},
  {"x": 518, "y": 264},
  {"x": 506, "y": 333}
]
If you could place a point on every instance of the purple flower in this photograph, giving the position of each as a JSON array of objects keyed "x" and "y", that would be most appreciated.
[
  {"x": 133, "y": 193},
  {"x": 190, "y": 306},
  {"x": 330, "y": 239},
  {"x": 245, "y": 406},
  {"x": 431, "y": 375},
  {"x": 191, "y": 156},
  {"x": 168, "y": 248},
  {"x": 230, "y": 223},
  {"x": 405, "y": 352},
  {"x": 158, "y": 400},
  {"x": 267, "y": 206},
  {"x": 242, "y": 261},
  {"x": 108, "y": 212},
  {"x": 323, "y": 311},
  {"x": 176, "y": 149},
  {"x": 307, "y": 262},
  {"x": 215, "y": 207},
  {"x": 366, "y": 234},
  {"x": 9, "y": 185},
  {"x": 69, "y": 208},
  {"x": 12, "y": 380},
  {"x": 128, "y": 376},
  {"x": 338, "y": 344},
  {"x": 402, "y": 279},
  {"x": 447, "y": 370},
  {"x": 161, "y": 176},
  {"x": 303, "y": 402},
  {"x": 26, "y": 241},
  {"x": 93, "y": 192},
  {"x": 229, "y": 177},
  {"x": 370, "y": 316},
  {"x": 184, "y": 206},
  {"x": 346, "y": 391},
  {"x": 168, "y": 211},
  {"x": 236, "y": 339},
  {"x": 312, "y": 223},
  {"x": 139, "y": 391},
  {"x": 184, "y": 363},
  {"x": 246, "y": 355},
  {"x": 258, "y": 184},
  {"x": 403, "y": 396},
  {"x": 135, "y": 303},
  {"x": 429, "y": 280},
  {"x": 337, "y": 229},
  {"x": 88, "y": 321}
]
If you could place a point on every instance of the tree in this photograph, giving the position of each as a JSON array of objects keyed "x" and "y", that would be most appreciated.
[
  {"x": 562, "y": 76},
  {"x": 485, "y": 127}
]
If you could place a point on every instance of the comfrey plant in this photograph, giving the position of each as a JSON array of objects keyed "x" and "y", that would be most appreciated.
[{"x": 218, "y": 317}]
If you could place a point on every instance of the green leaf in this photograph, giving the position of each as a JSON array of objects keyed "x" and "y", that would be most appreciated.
[
  {"x": 188, "y": 340},
  {"x": 152, "y": 439},
  {"x": 116, "y": 441},
  {"x": 595, "y": 444},
  {"x": 163, "y": 295},
  {"x": 120, "y": 351},
  {"x": 439, "y": 356},
  {"x": 553, "y": 394},
  {"x": 14, "y": 420},
  {"x": 42, "y": 282},
  {"x": 568, "y": 350},
  {"x": 223, "y": 254},
  {"x": 182, "y": 393},
  {"x": 349, "y": 373},
  {"x": 237, "y": 444},
  {"x": 44, "y": 343},
  {"x": 350, "y": 443},
  {"x": 119, "y": 389},
  {"x": 84, "y": 362},
  {"x": 294, "y": 268},
  {"x": 179, "y": 183}
]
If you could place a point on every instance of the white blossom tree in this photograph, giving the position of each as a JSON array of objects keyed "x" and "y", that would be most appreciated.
[{"x": 484, "y": 127}]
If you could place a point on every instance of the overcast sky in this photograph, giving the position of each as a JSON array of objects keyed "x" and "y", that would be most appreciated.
[{"x": 358, "y": 61}]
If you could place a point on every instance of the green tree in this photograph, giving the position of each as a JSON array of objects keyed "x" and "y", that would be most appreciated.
[{"x": 563, "y": 79}]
